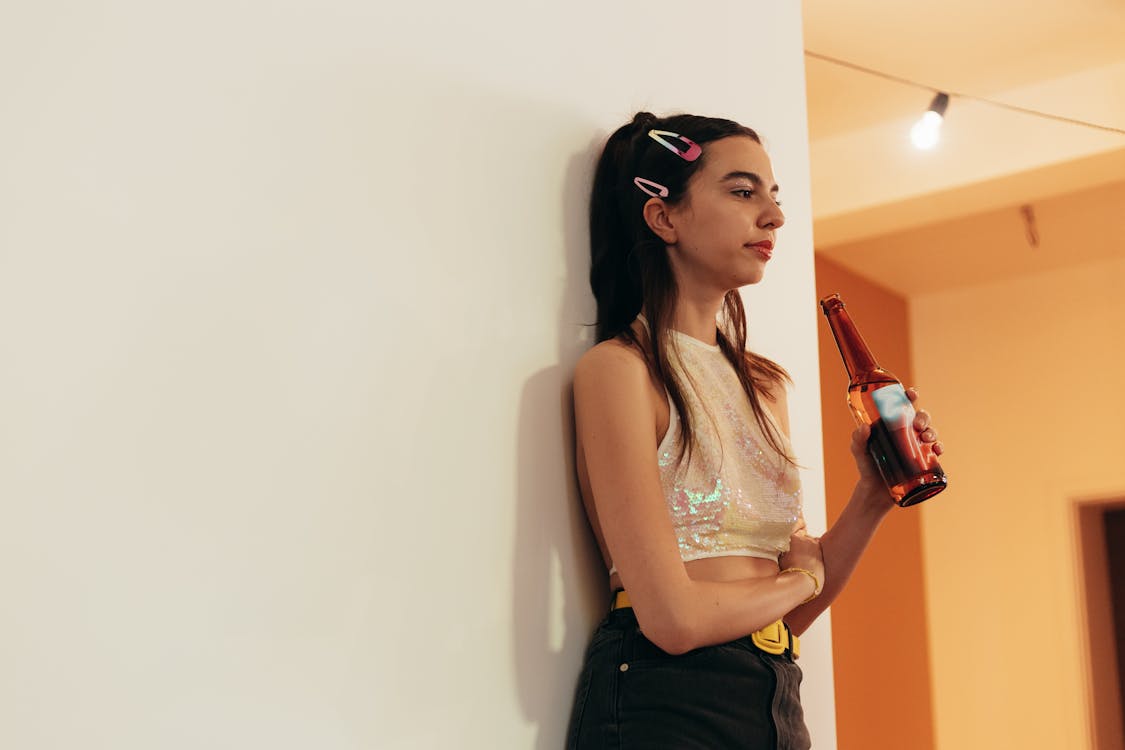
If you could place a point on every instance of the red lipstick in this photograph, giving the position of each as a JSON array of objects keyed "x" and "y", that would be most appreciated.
[{"x": 764, "y": 248}]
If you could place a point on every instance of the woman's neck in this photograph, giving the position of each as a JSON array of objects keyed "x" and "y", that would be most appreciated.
[{"x": 696, "y": 318}]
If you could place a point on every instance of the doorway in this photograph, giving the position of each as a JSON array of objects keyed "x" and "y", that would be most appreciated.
[{"x": 1101, "y": 546}]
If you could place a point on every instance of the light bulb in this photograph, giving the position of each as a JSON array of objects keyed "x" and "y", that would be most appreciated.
[{"x": 927, "y": 131}]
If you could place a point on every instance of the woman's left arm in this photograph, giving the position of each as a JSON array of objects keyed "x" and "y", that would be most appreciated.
[{"x": 842, "y": 546}]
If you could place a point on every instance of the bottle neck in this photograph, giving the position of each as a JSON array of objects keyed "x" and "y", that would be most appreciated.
[{"x": 857, "y": 357}]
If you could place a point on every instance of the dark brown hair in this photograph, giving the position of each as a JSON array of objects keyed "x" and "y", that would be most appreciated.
[{"x": 630, "y": 271}]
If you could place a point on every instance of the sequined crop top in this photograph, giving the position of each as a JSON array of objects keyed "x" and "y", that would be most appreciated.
[{"x": 736, "y": 496}]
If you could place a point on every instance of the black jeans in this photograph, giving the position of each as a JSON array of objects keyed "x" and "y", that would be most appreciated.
[{"x": 633, "y": 696}]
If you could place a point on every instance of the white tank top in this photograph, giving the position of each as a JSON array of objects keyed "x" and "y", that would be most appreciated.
[{"x": 736, "y": 495}]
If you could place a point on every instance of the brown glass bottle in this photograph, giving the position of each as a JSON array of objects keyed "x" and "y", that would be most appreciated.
[{"x": 909, "y": 467}]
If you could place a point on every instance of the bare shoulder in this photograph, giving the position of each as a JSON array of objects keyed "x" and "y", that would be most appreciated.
[
  {"x": 613, "y": 391},
  {"x": 609, "y": 362}
]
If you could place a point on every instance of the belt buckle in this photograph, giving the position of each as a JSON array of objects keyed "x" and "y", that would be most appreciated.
[{"x": 773, "y": 638}]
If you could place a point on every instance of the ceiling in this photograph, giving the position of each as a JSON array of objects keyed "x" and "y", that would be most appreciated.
[
  {"x": 1066, "y": 57},
  {"x": 970, "y": 46}
]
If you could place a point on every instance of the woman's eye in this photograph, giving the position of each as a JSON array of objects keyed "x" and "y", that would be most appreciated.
[{"x": 744, "y": 193}]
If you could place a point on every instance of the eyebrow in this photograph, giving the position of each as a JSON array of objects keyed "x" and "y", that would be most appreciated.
[{"x": 751, "y": 176}]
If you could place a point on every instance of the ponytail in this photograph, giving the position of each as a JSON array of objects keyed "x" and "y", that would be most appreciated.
[{"x": 616, "y": 276}]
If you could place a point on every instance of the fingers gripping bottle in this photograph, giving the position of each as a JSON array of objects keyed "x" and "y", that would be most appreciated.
[{"x": 877, "y": 398}]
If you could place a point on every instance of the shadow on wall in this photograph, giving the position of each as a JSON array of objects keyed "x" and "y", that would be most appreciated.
[
  {"x": 503, "y": 151},
  {"x": 554, "y": 545}
]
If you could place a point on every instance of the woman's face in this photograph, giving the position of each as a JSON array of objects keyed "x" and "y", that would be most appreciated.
[{"x": 726, "y": 226}]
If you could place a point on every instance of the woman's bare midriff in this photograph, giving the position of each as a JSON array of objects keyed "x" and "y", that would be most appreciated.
[{"x": 721, "y": 569}]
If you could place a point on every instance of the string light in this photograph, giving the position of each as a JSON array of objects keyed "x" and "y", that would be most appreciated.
[
  {"x": 948, "y": 94},
  {"x": 927, "y": 131}
]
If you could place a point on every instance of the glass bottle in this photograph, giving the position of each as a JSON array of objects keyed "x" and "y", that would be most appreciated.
[{"x": 909, "y": 467}]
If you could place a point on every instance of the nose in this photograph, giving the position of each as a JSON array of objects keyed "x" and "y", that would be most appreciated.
[{"x": 772, "y": 217}]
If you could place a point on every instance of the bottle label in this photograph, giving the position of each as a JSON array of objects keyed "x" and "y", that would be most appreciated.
[
  {"x": 894, "y": 406},
  {"x": 897, "y": 414}
]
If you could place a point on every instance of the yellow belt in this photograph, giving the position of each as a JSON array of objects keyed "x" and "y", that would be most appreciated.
[{"x": 775, "y": 638}]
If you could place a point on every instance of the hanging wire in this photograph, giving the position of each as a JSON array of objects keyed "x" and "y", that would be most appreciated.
[
  {"x": 1002, "y": 105},
  {"x": 1031, "y": 229}
]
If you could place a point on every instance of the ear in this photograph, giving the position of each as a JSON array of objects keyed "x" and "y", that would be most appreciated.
[{"x": 659, "y": 220}]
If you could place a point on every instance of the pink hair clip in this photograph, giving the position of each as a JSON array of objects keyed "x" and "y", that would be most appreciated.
[
  {"x": 655, "y": 189},
  {"x": 690, "y": 153}
]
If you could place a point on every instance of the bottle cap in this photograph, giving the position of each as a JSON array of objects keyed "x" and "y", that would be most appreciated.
[{"x": 831, "y": 302}]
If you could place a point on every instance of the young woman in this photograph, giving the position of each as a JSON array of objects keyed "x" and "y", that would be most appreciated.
[{"x": 684, "y": 460}]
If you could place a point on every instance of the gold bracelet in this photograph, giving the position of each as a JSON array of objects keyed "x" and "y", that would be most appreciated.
[{"x": 810, "y": 574}]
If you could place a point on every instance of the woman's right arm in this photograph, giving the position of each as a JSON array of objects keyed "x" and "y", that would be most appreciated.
[{"x": 616, "y": 420}]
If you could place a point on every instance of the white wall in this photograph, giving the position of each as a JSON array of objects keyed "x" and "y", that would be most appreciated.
[{"x": 290, "y": 294}]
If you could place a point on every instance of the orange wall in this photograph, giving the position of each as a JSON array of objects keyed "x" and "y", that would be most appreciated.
[
  {"x": 1024, "y": 375},
  {"x": 879, "y": 627},
  {"x": 1027, "y": 382}
]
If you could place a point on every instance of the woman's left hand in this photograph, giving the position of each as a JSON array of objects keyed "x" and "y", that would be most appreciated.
[{"x": 868, "y": 472}]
